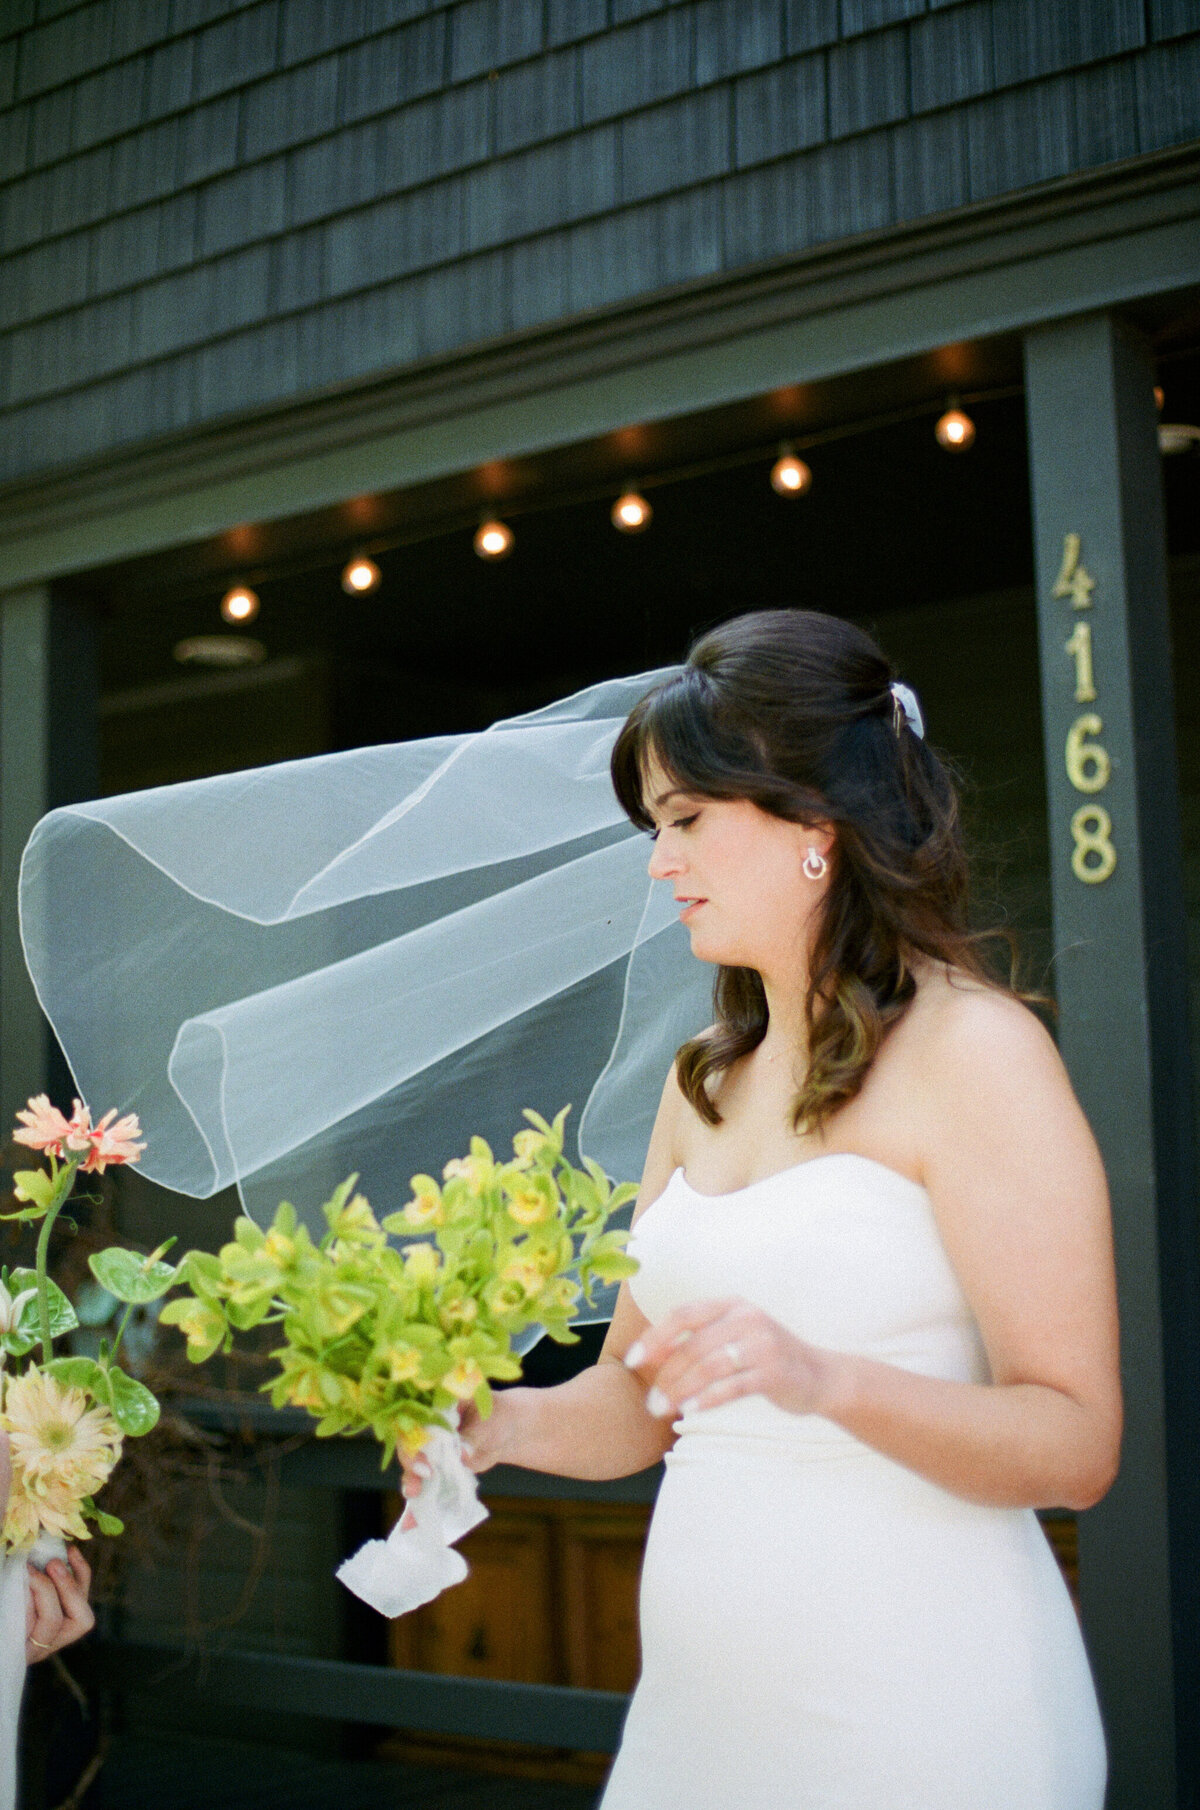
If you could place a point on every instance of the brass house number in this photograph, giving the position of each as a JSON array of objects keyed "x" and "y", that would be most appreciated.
[{"x": 1088, "y": 765}]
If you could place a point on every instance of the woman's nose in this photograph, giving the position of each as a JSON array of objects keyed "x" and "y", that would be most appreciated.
[{"x": 662, "y": 863}]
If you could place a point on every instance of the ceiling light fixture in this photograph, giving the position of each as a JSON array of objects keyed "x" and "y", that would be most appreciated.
[
  {"x": 240, "y": 604},
  {"x": 493, "y": 539},
  {"x": 631, "y": 512},
  {"x": 360, "y": 575},
  {"x": 790, "y": 476},
  {"x": 955, "y": 430}
]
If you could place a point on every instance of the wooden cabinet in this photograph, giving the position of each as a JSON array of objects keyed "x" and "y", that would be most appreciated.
[{"x": 551, "y": 1598}]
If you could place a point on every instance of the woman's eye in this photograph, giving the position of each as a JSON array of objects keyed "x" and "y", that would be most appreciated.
[{"x": 679, "y": 823}]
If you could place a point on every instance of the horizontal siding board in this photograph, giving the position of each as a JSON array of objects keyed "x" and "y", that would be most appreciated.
[
  {"x": 8, "y": 72},
  {"x": 389, "y": 70},
  {"x": 14, "y": 137},
  {"x": 247, "y": 204},
  {"x": 189, "y": 15},
  {"x": 782, "y": 110},
  {"x": 169, "y": 75},
  {"x": 70, "y": 349},
  {"x": 290, "y": 108},
  {"x": 136, "y": 24},
  {"x": 299, "y": 270},
  {"x": 735, "y": 35},
  {"x": 320, "y": 25},
  {"x": 929, "y": 163},
  {"x": 567, "y": 20},
  {"x": 536, "y": 279},
  {"x": 869, "y": 15},
  {"x": 201, "y": 303},
  {"x": 435, "y": 137},
  {"x": 633, "y": 68},
  {"x": 848, "y": 188},
  {"x": 868, "y": 82},
  {"x": 334, "y": 173},
  {"x": 106, "y": 104},
  {"x": 487, "y": 34},
  {"x": 1168, "y": 95},
  {"x": 50, "y": 127},
  {"x": 46, "y": 277},
  {"x": 1173, "y": 18},
  {"x": 208, "y": 139},
  {"x": 623, "y": 11},
  {"x": 236, "y": 50},
  {"x": 461, "y": 305},
  {"x": 807, "y": 24},
  {"x": 64, "y": 48},
  {"x": 537, "y": 190},
  {"x": 1021, "y": 137},
  {"x": 951, "y": 57},
  {"x": 123, "y": 251},
  {"x": 394, "y": 237},
  {"x": 539, "y": 99},
  {"x": 1040, "y": 37},
  {"x": 673, "y": 146},
  {"x": 766, "y": 213},
  {"x": 17, "y": 15},
  {"x": 1106, "y": 113}
]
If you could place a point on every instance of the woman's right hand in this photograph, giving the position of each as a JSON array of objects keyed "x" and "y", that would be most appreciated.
[{"x": 485, "y": 1442}]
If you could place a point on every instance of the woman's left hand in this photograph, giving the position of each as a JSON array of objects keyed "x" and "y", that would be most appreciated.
[
  {"x": 59, "y": 1611},
  {"x": 711, "y": 1352}
]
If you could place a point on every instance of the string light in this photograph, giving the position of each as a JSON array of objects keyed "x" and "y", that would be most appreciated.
[
  {"x": 493, "y": 539},
  {"x": 955, "y": 431},
  {"x": 790, "y": 476},
  {"x": 360, "y": 575},
  {"x": 631, "y": 512},
  {"x": 240, "y": 604}
]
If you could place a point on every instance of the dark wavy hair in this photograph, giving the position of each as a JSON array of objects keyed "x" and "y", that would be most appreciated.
[{"x": 793, "y": 710}]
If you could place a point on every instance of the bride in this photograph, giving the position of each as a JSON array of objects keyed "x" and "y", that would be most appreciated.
[{"x": 874, "y": 1327}]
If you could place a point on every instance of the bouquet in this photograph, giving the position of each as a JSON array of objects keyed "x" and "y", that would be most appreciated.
[
  {"x": 66, "y": 1417},
  {"x": 391, "y": 1341}
]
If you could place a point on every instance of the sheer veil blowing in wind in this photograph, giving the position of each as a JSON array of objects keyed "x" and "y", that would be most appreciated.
[{"x": 337, "y": 964}]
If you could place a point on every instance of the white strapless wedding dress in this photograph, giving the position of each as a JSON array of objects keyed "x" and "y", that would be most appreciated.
[{"x": 823, "y": 1629}]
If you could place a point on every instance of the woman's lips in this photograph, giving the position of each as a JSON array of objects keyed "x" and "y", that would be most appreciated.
[{"x": 689, "y": 907}]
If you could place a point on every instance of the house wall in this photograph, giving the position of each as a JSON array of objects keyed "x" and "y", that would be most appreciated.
[{"x": 207, "y": 207}]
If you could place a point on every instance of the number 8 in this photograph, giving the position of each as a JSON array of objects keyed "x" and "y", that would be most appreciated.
[{"x": 1091, "y": 826}]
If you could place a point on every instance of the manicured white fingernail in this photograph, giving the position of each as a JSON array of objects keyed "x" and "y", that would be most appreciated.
[
  {"x": 422, "y": 1467},
  {"x": 657, "y": 1403},
  {"x": 635, "y": 1355},
  {"x": 690, "y": 1405},
  {"x": 468, "y": 1448}
]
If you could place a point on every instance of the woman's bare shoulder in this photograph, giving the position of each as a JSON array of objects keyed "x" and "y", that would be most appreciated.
[{"x": 968, "y": 1034}]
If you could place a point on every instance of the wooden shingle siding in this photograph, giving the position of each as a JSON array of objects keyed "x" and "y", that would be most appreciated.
[{"x": 209, "y": 205}]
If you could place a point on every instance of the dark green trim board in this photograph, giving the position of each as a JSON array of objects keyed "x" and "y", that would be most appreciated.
[
  {"x": 1127, "y": 234},
  {"x": 48, "y": 756},
  {"x": 549, "y": 1715},
  {"x": 1122, "y": 990}
]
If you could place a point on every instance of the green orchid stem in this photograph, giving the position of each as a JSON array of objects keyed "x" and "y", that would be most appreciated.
[
  {"x": 64, "y": 1181},
  {"x": 112, "y": 1356}
]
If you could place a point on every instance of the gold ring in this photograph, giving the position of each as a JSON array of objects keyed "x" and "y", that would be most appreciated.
[{"x": 46, "y": 1646}]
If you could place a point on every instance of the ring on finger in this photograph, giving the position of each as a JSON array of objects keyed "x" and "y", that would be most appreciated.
[
  {"x": 45, "y": 1645},
  {"x": 733, "y": 1352}
]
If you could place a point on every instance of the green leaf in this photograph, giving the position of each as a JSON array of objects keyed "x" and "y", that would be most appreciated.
[
  {"x": 130, "y": 1277},
  {"x": 80, "y": 1373},
  {"x": 105, "y": 1522},
  {"x": 134, "y": 1409},
  {"x": 35, "y": 1186},
  {"x": 62, "y": 1314},
  {"x": 202, "y": 1273}
]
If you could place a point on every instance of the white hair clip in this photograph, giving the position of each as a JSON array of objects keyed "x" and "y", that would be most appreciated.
[{"x": 904, "y": 698}]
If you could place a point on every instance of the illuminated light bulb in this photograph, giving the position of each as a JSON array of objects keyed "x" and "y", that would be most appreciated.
[
  {"x": 790, "y": 476},
  {"x": 240, "y": 604},
  {"x": 493, "y": 539},
  {"x": 631, "y": 513},
  {"x": 359, "y": 576},
  {"x": 955, "y": 431},
  {"x": 1159, "y": 397}
]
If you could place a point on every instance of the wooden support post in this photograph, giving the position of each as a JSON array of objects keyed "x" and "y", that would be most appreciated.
[
  {"x": 1119, "y": 934},
  {"x": 48, "y": 756}
]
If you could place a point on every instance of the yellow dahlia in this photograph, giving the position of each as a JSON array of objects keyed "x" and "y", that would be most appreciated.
[{"x": 62, "y": 1450}]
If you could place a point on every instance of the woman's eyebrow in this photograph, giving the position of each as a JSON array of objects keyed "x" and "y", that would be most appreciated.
[{"x": 667, "y": 797}]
